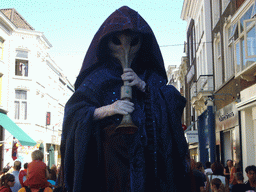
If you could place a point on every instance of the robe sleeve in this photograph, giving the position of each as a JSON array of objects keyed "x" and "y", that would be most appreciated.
[
  {"x": 175, "y": 104},
  {"x": 78, "y": 128}
]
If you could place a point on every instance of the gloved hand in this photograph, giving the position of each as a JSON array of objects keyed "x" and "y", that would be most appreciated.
[
  {"x": 122, "y": 107},
  {"x": 131, "y": 76}
]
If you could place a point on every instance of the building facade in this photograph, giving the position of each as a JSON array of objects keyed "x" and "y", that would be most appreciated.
[
  {"x": 199, "y": 79},
  {"x": 244, "y": 40},
  {"x": 33, "y": 89},
  {"x": 229, "y": 29},
  {"x": 226, "y": 86}
]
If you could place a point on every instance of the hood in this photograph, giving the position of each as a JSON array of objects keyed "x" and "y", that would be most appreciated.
[{"x": 149, "y": 56}]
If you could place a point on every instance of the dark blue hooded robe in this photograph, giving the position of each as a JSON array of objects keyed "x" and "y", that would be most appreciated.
[{"x": 94, "y": 157}]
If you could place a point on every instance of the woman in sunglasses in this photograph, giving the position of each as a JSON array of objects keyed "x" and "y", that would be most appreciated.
[{"x": 7, "y": 181}]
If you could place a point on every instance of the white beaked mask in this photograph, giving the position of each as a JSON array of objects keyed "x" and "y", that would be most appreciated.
[{"x": 124, "y": 46}]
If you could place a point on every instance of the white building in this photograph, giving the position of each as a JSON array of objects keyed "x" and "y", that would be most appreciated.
[
  {"x": 244, "y": 25},
  {"x": 199, "y": 79},
  {"x": 33, "y": 89}
]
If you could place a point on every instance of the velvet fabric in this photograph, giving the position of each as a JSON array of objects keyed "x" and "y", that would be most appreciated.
[{"x": 98, "y": 84}]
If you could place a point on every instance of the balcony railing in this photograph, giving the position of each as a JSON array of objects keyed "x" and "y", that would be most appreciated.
[{"x": 205, "y": 83}]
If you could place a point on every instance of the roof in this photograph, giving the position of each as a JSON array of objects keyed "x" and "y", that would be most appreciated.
[{"x": 16, "y": 19}]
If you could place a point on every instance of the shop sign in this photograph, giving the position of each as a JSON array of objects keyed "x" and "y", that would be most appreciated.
[
  {"x": 227, "y": 117},
  {"x": 192, "y": 136}
]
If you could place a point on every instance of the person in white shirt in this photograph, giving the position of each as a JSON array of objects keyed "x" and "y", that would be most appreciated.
[{"x": 208, "y": 170}]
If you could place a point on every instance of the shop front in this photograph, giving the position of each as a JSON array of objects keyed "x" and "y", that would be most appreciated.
[
  {"x": 13, "y": 140},
  {"x": 228, "y": 142},
  {"x": 247, "y": 108}
]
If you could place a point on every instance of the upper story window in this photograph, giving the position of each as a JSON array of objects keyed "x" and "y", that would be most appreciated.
[
  {"x": 194, "y": 41},
  {"x": 20, "y": 104},
  {"x": 218, "y": 62},
  {"x": 1, "y": 48},
  {"x": 229, "y": 51},
  {"x": 224, "y": 4},
  {"x": 245, "y": 41},
  {"x": 21, "y": 63},
  {"x": 190, "y": 50},
  {"x": 202, "y": 21},
  {"x": 215, "y": 12}
]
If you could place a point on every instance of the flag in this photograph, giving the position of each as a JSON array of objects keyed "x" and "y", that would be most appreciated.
[{"x": 14, "y": 150}]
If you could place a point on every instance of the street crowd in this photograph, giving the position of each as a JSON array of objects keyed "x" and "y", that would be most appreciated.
[
  {"x": 217, "y": 178},
  {"x": 35, "y": 176}
]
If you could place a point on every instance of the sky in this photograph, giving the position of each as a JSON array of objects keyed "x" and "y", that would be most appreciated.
[{"x": 71, "y": 25}]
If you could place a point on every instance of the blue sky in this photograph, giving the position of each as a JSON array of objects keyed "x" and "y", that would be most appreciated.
[{"x": 71, "y": 25}]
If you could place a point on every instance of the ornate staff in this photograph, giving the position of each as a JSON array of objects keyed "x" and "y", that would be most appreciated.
[{"x": 124, "y": 47}]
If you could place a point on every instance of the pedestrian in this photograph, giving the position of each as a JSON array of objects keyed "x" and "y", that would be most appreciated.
[
  {"x": 217, "y": 185},
  {"x": 15, "y": 172},
  {"x": 7, "y": 181},
  {"x": 52, "y": 177},
  {"x": 23, "y": 174},
  {"x": 240, "y": 186},
  {"x": 217, "y": 172},
  {"x": 199, "y": 177},
  {"x": 227, "y": 169},
  {"x": 208, "y": 170},
  {"x": 234, "y": 169},
  {"x": 8, "y": 166},
  {"x": 5, "y": 170},
  {"x": 251, "y": 174},
  {"x": 150, "y": 156},
  {"x": 37, "y": 172}
]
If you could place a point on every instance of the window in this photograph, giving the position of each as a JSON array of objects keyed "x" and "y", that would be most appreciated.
[
  {"x": 245, "y": 40},
  {"x": 20, "y": 104},
  {"x": 198, "y": 66},
  {"x": 190, "y": 46},
  {"x": 201, "y": 63},
  {"x": 250, "y": 36},
  {"x": 1, "y": 48},
  {"x": 229, "y": 56},
  {"x": 216, "y": 12},
  {"x": 194, "y": 42},
  {"x": 200, "y": 28},
  {"x": 205, "y": 72},
  {"x": 218, "y": 63},
  {"x": 202, "y": 22},
  {"x": 225, "y": 4},
  {"x": 197, "y": 36},
  {"x": 21, "y": 63}
]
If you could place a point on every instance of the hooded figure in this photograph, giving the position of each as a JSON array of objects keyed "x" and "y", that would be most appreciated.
[{"x": 94, "y": 156}]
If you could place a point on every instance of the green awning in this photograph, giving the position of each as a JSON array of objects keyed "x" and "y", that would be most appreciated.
[{"x": 17, "y": 132}]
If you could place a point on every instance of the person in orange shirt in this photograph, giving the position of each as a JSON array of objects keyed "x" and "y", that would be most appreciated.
[
  {"x": 36, "y": 173},
  {"x": 22, "y": 174}
]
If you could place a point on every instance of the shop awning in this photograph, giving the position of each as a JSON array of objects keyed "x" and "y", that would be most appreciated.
[{"x": 16, "y": 131}]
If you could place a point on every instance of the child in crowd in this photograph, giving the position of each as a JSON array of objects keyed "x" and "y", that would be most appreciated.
[
  {"x": 217, "y": 186},
  {"x": 7, "y": 181},
  {"x": 37, "y": 172},
  {"x": 23, "y": 174}
]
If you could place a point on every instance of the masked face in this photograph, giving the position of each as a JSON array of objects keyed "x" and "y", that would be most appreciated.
[{"x": 125, "y": 46}]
